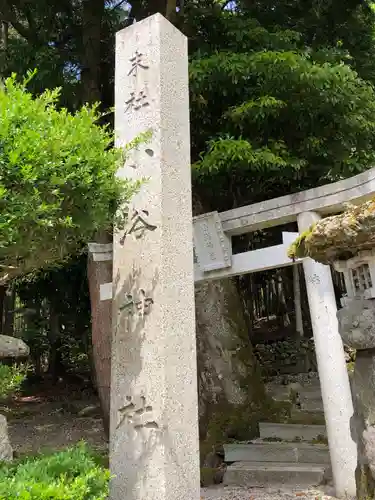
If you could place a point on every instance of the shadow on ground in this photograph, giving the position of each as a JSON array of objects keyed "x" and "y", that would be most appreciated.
[{"x": 50, "y": 417}]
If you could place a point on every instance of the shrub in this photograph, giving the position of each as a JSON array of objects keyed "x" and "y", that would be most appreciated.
[
  {"x": 71, "y": 474},
  {"x": 11, "y": 378},
  {"x": 57, "y": 179}
]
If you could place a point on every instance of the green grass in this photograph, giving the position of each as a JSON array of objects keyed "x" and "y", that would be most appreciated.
[{"x": 72, "y": 474}]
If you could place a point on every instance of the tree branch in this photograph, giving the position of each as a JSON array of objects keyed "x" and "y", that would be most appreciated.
[
  {"x": 9, "y": 15},
  {"x": 118, "y": 4},
  {"x": 170, "y": 9}
]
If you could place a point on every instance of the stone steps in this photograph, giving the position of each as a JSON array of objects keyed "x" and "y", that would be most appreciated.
[
  {"x": 286, "y": 453},
  {"x": 260, "y": 474},
  {"x": 311, "y": 405},
  {"x": 277, "y": 452},
  {"x": 291, "y": 432},
  {"x": 309, "y": 394},
  {"x": 298, "y": 416}
]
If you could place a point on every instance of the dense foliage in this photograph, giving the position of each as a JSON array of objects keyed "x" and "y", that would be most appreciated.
[
  {"x": 11, "y": 378},
  {"x": 72, "y": 474},
  {"x": 275, "y": 116},
  {"x": 56, "y": 317},
  {"x": 57, "y": 179},
  {"x": 282, "y": 99}
]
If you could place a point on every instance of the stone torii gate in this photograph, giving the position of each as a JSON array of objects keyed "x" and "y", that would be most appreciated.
[
  {"x": 214, "y": 260},
  {"x": 154, "y": 414}
]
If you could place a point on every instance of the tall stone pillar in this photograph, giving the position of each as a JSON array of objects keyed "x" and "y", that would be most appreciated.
[
  {"x": 334, "y": 380},
  {"x": 154, "y": 409}
]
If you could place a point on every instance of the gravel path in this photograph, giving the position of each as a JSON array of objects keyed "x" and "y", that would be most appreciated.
[{"x": 231, "y": 493}]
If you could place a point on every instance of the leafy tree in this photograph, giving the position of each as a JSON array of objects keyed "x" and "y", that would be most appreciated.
[
  {"x": 274, "y": 117},
  {"x": 275, "y": 103},
  {"x": 57, "y": 179},
  {"x": 56, "y": 310},
  {"x": 11, "y": 378},
  {"x": 345, "y": 25}
]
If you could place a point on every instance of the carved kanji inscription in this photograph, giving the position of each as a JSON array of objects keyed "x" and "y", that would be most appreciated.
[
  {"x": 138, "y": 225},
  {"x": 136, "y": 101},
  {"x": 140, "y": 303},
  {"x": 137, "y": 63},
  {"x": 137, "y": 413}
]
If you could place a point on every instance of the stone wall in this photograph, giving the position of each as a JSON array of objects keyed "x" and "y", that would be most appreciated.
[
  {"x": 290, "y": 356},
  {"x": 286, "y": 356}
]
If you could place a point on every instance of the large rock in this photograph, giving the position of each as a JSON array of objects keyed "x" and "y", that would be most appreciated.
[
  {"x": 11, "y": 347},
  {"x": 357, "y": 323},
  {"x": 231, "y": 392},
  {"x": 6, "y": 452},
  {"x": 363, "y": 422},
  {"x": 338, "y": 237}
]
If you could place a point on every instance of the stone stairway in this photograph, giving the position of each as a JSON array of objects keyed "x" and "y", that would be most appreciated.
[
  {"x": 306, "y": 394},
  {"x": 293, "y": 454},
  {"x": 286, "y": 454}
]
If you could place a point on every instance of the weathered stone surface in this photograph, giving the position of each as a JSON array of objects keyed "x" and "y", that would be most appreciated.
[
  {"x": 154, "y": 405},
  {"x": 306, "y": 417},
  {"x": 333, "y": 375},
  {"x": 363, "y": 387},
  {"x": 277, "y": 452},
  {"x": 232, "y": 396},
  {"x": 6, "y": 452},
  {"x": 357, "y": 323},
  {"x": 225, "y": 357},
  {"x": 289, "y": 355},
  {"x": 291, "y": 432},
  {"x": 339, "y": 237},
  {"x": 261, "y": 474},
  {"x": 363, "y": 422},
  {"x": 369, "y": 447},
  {"x": 11, "y": 347},
  {"x": 311, "y": 405},
  {"x": 219, "y": 340}
]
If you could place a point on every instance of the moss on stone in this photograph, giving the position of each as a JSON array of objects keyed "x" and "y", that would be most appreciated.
[
  {"x": 208, "y": 476},
  {"x": 305, "y": 418},
  {"x": 320, "y": 440},
  {"x": 224, "y": 420},
  {"x": 297, "y": 249},
  {"x": 365, "y": 483},
  {"x": 230, "y": 423},
  {"x": 338, "y": 237}
]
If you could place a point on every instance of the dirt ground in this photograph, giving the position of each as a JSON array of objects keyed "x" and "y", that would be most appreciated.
[{"x": 51, "y": 418}]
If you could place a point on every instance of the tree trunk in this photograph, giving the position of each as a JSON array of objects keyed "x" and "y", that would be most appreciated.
[
  {"x": 231, "y": 391},
  {"x": 93, "y": 11},
  {"x": 10, "y": 298},
  {"x": 170, "y": 11},
  {"x": 280, "y": 297},
  {"x": 4, "y": 35},
  {"x": 2, "y": 303},
  {"x": 297, "y": 301},
  {"x": 101, "y": 331},
  {"x": 142, "y": 9},
  {"x": 230, "y": 388},
  {"x": 55, "y": 366},
  {"x": 97, "y": 272}
]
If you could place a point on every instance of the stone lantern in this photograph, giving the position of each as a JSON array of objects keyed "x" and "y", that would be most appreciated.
[
  {"x": 347, "y": 241},
  {"x": 359, "y": 276},
  {"x": 10, "y": 348}
]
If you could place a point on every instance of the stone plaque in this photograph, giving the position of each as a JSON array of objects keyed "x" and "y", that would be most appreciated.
[
  {"x": 212, "y": 247},
  {"x": 106, "y": 291}
]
